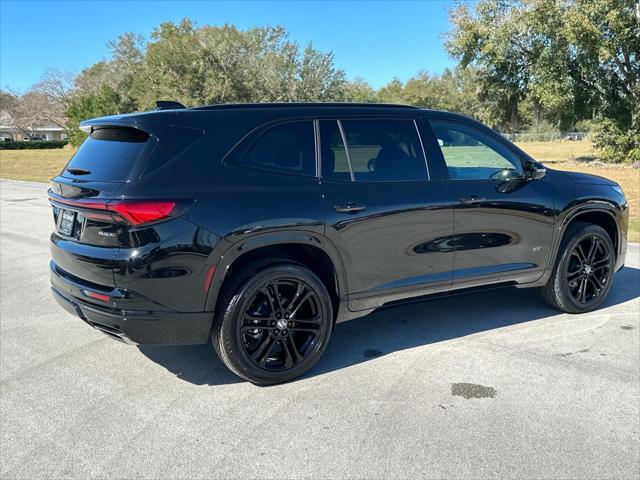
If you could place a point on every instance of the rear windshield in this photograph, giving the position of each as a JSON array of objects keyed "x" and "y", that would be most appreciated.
[{"x": 109, "y": 154}]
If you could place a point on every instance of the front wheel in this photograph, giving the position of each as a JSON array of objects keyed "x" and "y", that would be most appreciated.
[
  {"x": 581, "y": 278},
  {"x": 275, "y": 324}
]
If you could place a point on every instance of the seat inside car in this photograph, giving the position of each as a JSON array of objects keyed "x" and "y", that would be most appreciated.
[{"x": 393, "y": 163}]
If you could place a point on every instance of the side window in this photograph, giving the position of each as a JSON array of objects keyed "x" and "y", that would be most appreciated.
[
  {"x": 473, "y": 155},
  {"x": 286, "y": 147},
  {"x": 334, "y": 161},
  {"x": 372, "y": 150}
]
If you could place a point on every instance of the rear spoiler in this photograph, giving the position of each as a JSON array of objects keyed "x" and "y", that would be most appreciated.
[
  {"x": 154, "y": 122},
  {"x": 168, "y": 105}
]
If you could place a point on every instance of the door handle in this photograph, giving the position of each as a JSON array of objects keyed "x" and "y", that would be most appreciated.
[
  {"x": 350, "y": 207},
  {"x": 471, "y": 199}
]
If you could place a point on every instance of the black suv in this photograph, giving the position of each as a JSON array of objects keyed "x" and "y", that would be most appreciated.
[{"x": 258, "y": 227}]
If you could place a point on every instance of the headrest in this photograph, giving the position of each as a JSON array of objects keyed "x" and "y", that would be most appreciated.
[{"x": 390, "y": 160}]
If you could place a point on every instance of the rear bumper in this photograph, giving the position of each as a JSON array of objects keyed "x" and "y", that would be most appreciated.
[{"x": 142, "y": 327}]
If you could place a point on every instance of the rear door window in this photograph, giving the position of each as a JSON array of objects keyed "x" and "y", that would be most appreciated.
[
  {"x": 287, "y": 147},
  {"x": 374, "y": 150},
  {"x": 109, "y": 154}
]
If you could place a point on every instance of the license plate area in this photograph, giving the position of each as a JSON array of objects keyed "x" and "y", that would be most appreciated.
[{"x": 67, "y": 222}]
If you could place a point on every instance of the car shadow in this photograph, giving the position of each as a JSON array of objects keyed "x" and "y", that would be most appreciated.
[
  {"x": 397, "y": 328},
  {"x": 198, "y": 364}
]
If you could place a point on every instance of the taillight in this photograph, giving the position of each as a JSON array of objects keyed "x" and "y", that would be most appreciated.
[
  {"x": 134, "y": 212},
  {"x": 138, "y": 213}
]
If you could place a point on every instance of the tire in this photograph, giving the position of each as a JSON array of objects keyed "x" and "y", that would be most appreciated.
[
  {"x": 268, "y": 339},
  {"x": 579, "y": 284}
]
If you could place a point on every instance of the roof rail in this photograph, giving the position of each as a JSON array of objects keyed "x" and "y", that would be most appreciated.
[
  {"x": 223, "y": 106},
  {"x": 168, "y": 105}
]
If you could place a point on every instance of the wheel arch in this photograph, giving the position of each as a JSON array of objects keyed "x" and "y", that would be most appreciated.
[
  {"x": 305, "y": 248},
  {"x": 598, "y": 213}
]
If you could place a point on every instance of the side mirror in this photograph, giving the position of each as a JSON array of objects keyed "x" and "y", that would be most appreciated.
[{"x": 536, "y": 171}]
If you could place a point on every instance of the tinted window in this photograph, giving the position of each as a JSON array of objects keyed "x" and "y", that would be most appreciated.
[
  {"x": 334, "y": 155},
  {"x": 287, "y": 147},
  {"x": 109, "y": 154},
  {"x": 376, "y": 150},
  {"x": 471, "y": 154}
]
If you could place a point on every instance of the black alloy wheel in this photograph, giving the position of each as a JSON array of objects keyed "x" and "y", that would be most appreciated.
[
  {"x": 281, "y": 324},
  {"x": 588, "y": 269},
  {"x": 275, "y": 324},
  {"x": 583, "y": 271}
]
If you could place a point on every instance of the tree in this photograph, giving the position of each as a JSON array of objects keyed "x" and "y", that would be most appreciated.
[
  {"x": 453, "y": 90},
  {"x": 29, "y": 111},
  {"x": 392, "y": 92},
  {"x": 223, "y": 64},
  {"x": 561, "y": 61},
  {"x": 57, "y": 86},
  {"x": 359, "y": 91},
  {"x": 105, "y": 101},
  {"x": 118, "y": 72}
]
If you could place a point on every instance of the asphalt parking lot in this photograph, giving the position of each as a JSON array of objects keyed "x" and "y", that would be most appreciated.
[{"x": 481, "y": 386}]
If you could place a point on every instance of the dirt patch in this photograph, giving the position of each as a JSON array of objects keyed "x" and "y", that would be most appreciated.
[{"x": 472, "y": 390}]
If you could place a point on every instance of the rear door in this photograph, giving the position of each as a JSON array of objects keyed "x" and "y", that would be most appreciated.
[
  {"x": 382, "y": 212},
  {"x": 503, "y": 226}
]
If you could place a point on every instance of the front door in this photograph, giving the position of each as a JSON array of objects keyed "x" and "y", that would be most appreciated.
[
  {"x": 381, "y": 210},
  {"x": 503, "y": 223}
]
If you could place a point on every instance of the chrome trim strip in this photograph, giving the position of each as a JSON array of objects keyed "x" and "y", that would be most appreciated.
[{"x": 424, "y": 153}]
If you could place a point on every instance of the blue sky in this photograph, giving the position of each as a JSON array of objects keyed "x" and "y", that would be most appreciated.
[{"x": 374, "y": 40}]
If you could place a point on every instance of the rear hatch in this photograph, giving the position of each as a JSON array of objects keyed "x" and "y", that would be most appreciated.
[{"x": 89, "y": 219}]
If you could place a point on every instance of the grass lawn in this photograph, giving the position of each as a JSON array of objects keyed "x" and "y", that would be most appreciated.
[
  {"x": 33, "y": 165},
  {"x": 41, "y": 165}
]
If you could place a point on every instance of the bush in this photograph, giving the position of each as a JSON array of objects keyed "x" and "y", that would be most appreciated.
[
  {"x": 32, "y": 145},
  {"x": 615, "y": 144},
  {"x": 584, "y": 126}
]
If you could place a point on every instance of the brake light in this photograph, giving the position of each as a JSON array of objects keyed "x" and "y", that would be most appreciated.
[
  {"x": 142, "y": 212},
  {"x": 134, "y": 212}
]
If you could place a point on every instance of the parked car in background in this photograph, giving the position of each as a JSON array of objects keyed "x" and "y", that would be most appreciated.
[{"x": 259, "y": 227}]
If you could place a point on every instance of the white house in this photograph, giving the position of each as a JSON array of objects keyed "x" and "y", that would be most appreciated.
[
  {"x": 8, "y": 131},
  {"x": 40, "y": 133}
]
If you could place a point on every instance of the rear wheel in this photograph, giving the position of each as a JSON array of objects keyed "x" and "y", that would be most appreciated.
[
  {"x": 273, "y": 325},
  {"x": 582, "y": 276}
]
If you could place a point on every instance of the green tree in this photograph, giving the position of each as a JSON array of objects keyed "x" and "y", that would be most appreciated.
[
  {"x": 392, "y": 92},
  {"x": 223, "y": 64},
  {"x": 118, "y": 72},
  {"x": 359, "y": 91},
  {"x": 105, "y": 101},
  {"x": 453, "y": 90},
  {"x": 557, "y": 61}
]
